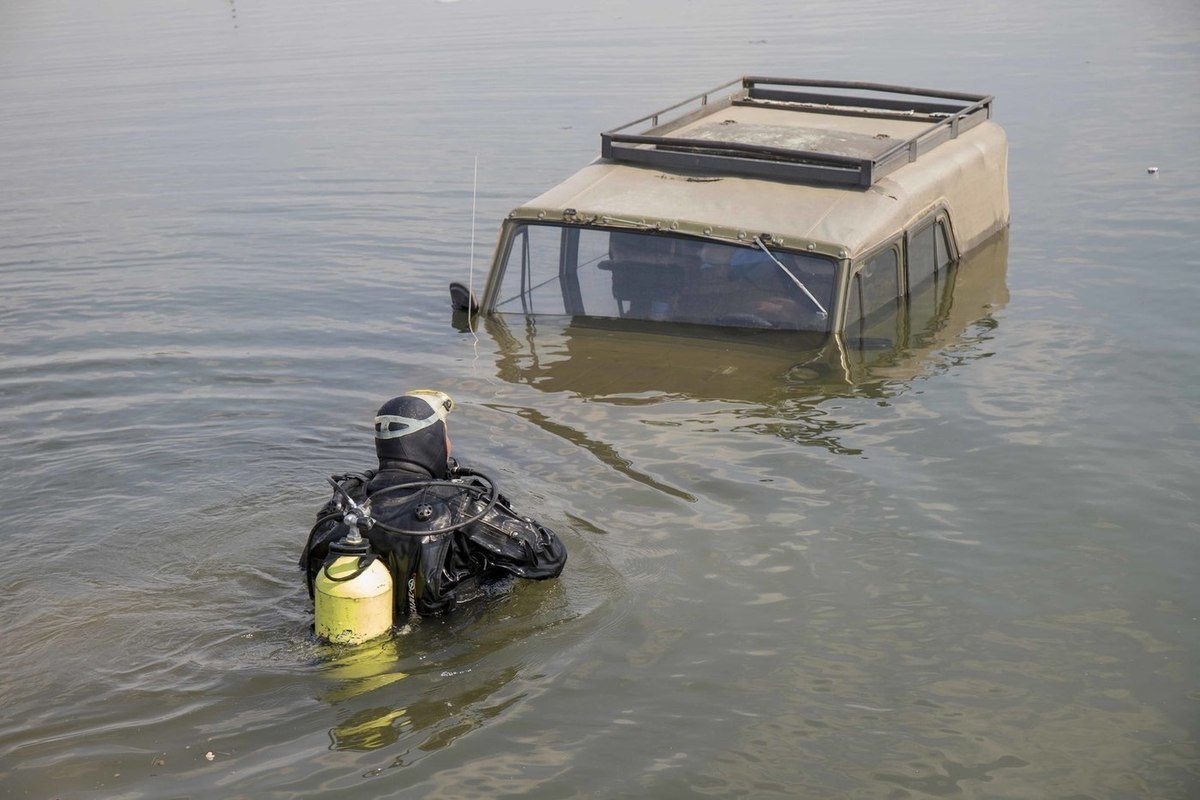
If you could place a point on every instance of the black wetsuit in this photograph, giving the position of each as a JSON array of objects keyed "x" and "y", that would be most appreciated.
[
  {"x": 433, "y": 573},
  {"x": 419, "y": 488}
]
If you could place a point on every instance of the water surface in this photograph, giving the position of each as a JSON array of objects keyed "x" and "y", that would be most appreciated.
[{"x": 961, "y": 566}]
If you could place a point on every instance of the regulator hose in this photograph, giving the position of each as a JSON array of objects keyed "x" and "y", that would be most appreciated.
[
  {"x": 362, "y": 512},
  {"x": 489, "y": 492}
]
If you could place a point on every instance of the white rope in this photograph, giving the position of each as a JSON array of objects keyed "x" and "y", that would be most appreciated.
[{"x": 471, "y": 268}]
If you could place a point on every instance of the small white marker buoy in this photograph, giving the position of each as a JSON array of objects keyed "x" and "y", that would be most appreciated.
[{"x": 1151, "y": 170}]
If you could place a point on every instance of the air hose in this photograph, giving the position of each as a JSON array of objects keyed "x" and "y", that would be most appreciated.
[{"x": 488, "y": 492}]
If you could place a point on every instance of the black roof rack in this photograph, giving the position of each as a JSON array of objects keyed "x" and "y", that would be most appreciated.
[{"x": 948, "y": 115}]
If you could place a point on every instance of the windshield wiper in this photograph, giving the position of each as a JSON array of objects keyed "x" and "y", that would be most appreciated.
[{"x": 820, "y": 308}]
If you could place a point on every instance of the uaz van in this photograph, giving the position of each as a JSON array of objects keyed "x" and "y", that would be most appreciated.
[{"x": 766, "y": 203}]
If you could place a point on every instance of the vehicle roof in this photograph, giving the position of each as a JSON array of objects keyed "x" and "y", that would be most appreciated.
[{"x": 966, "y": 174}]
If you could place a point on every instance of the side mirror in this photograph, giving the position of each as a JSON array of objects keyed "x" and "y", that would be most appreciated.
[
  {"x": 465, "y": 306},
  {"x": 462, "y": 298}
]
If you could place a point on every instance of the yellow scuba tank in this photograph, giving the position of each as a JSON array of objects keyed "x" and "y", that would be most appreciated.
[{"x": 352, "y": 593}]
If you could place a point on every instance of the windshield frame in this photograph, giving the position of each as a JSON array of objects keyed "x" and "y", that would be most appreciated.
[{"x": 804, "y": 303}]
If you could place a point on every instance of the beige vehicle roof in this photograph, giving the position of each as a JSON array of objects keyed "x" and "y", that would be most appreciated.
[{"x": 967, "y": 175}]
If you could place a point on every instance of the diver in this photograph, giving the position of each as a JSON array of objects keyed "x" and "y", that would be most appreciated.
[{"x": 443, "y": 531}]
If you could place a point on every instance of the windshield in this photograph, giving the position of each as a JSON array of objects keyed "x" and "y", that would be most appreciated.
[{"x": 594, "y": 272}]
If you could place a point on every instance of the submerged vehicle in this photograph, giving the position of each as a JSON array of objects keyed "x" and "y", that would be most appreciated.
[
  {"x": 947, "y": 321},
  {"x": 766, "y": 203}
]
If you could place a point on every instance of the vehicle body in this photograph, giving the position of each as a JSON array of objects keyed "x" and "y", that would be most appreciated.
[{"x": 766, "y": 203}]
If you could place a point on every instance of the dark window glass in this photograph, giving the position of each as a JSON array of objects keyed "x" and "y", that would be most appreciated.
[
  {"x": 854, "y": 307},
  {"x": 922, "y": 257},
  {"x": 531, "y": 283},
  {"x": 880, "y": 285},
  {"x": 634, "y": 275},
  {"x": 942, "y": 248}
]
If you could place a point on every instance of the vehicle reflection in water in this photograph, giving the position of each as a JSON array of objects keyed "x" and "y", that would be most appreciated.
[
  {"x": 433, "y": 681},
  {"x": 944, "y": 323}
]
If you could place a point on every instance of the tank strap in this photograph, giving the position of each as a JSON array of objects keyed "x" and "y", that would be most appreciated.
[{"x": 364, "y": 562}]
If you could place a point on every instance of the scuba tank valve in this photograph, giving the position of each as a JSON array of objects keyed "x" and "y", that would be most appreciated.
[{"x": 352, "y": 593}]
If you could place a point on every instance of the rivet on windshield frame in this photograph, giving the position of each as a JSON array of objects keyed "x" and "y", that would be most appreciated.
[
  {"x": 708, "y": 231},
  {"x": 674, "y": 226},
  {"x": 741, "y": 234},
  {"x": 812, "y": 246},
  {"x": 541, "y": 215}
]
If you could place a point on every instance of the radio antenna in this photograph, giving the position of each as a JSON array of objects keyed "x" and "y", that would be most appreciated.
[{"x": 471, "y": 268}]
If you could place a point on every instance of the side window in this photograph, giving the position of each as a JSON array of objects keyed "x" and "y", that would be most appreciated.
[
  {"x": 928, "y": 253},
  {"x": 941, "y": 248},
  {"x": 927, "y": 263},
  {"x": 881, "y": 286},
  {"x": 880, "y": 282},
  {"x": 873, "y": 287},
  {"x": 922, "y": 257},
  {"x": 854, "y": 307},
  {"x": 531, "y": 283}
]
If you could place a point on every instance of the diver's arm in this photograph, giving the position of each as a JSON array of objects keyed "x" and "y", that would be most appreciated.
[
  {"x": 507, "y": 540},
  {"x": 518, "y": 545}
]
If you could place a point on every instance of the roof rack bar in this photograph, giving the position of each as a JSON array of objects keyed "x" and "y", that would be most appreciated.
[
  {"x": 751, "y": 80},
  {"x": 748, "y": 167},
  {"x": 655, "y": 147},
  {"x": 934, "y": 135},
  {"x": 738, "y": 147},
  {"x": 702, "y": 97},
  {"x": 852, "y": 101}
]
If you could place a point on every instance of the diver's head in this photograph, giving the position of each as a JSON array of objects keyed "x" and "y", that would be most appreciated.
[{"x": 411, "y": 429}]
